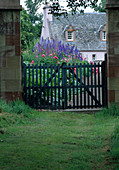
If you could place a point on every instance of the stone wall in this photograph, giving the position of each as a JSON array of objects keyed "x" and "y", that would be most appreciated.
[
  {"x": 112, "y": 7},
  {"x": 10, "y": 50}
]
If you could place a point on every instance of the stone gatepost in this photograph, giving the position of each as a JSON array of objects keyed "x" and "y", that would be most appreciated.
[
  {"x": 10, "y": 50},
  {"x": 112, "y": 8}
]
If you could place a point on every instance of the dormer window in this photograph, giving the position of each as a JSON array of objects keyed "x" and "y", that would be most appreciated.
[
  {"x": 104, "y": 35},
  {"x": 70, "y": 34}
]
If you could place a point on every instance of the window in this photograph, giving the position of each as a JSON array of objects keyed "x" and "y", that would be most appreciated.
[
  {"x": 102, "y": 30},
  {"x": 70, "y": 35},
  {"x": 103, "y": 35},
  {"x": 93, "y": 57}
]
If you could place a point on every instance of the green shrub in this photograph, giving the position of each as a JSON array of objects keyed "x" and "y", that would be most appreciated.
[
  {"x": 113, "y": 110},
  {"x": 4, "y": 106},
  {"x": 114, "y": 142},
  {"x": 18, "y": 107}
]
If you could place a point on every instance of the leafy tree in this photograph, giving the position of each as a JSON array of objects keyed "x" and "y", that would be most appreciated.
[
  {"x": 100, "y": 7},
  {"x": 29, "y": 29},
  {"x": 57, "y": 9},
  {"x": 32, "y": 8},
  {"x": 73, "y": 5},
  {"x": 26, "y": 27}
]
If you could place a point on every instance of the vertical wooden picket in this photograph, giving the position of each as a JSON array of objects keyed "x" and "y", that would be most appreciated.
[
  {"x": 59, "y": 87},
  {"x": 73, "y": 88},
  {"x": 84, "y": 85},
  {"x": 70, "y": 102},
  {"x": 99, "y": 84},
  {"x": 29, "y": 85},
  {"x": 36, "y": 97},
  {"x": 77, "y": 95},
  {"x": 88, "y": 105},
  {"x": 95, "y": 93},
  {"x": 80, "y": 85},
  {"x": 33, "y": 100}
]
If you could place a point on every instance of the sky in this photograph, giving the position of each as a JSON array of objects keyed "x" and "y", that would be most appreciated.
[{"x": 23, "y": 5}]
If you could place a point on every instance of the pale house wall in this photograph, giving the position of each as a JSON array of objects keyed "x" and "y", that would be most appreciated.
[{"x": 88, "y": 55}]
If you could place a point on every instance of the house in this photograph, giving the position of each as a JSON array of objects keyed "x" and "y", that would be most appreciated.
[{"x": 86, "y": 31}]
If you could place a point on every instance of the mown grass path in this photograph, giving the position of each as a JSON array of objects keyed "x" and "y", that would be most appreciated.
[{"x": 54, "y": 141}]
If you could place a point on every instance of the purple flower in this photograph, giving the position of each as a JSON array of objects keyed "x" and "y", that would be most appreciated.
[{"x": 32, "y": 50}]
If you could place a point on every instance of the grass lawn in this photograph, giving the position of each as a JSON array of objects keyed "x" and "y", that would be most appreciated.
[{"x": 56, "y": 140}]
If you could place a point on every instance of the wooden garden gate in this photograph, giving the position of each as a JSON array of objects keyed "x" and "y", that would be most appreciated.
[{"x": 65, "y": 86}]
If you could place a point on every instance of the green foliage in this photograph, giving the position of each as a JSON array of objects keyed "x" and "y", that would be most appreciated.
[
  {"x": 29, "y": 30},
  {"x": 114, "y": 143},
  {"x": 57, "y": 9},
  {"x": 14, "y": 113},
  {"x": 32, "y": 8},
  {"x": 100, "y": 7},
  {"x": 26, "y": 30},
  {"x": 73, "y": 5},
  {"x": 15, "y": 107},
  {"x": 113, "y": 110},
  {"x": 28, "y": 55}
]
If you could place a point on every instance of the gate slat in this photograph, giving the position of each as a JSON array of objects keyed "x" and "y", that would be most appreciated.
[
  {"x": 65, "y": 87},
  {"x": 36, "y": 86},
  {"x": 48, "y": 85},
  {"x": 44, "y": 85},
  {"x": 40, "y": 77},
  {"x": 58, "y": 87},
  {"x": 73, "y": 90},
  {"x": 29, "y": 85},
  {"x": 99, "y": 84},
  {"x": 51, "y": 85},
  {"x": 55, "y": 87},
  {"x": 70, "y": 88},
  {"x": 77, "y": 85},
  {"x": 80, "y": 85},
  {"x": 88, "y": 85},
  {"x": 33, "y": 85},
  {"x": 91, "y": 86},
  {"x": 95, "y": 84},
  {"x": 84, "y": 85}
]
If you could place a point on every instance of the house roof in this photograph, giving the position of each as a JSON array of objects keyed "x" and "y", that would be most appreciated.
[{"x": 87, "y": 28}]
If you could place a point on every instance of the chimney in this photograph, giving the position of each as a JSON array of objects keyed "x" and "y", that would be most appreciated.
[{"x": 46, "y": 19}]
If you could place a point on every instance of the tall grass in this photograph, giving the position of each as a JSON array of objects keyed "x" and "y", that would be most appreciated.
[
  {"x": 114, "y": 142},
  {"x": 18, "y": 107},
  {"x": 113, "y": 110},
  {"x": 15, "y": 113}
]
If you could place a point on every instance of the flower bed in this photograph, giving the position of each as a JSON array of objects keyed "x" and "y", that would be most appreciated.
[{"x": 52, "y": 52}]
